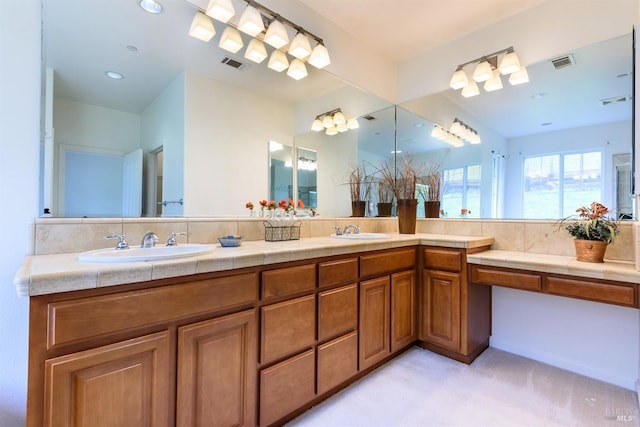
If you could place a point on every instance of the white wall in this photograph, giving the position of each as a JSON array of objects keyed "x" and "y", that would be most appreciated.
[
  {"x": 227, "y": 129},
  {"x": 593, "y": 339},
  {"x": 612, "y": 138},
  {"x": 19, "y": 152},
  {"x": 163, "y": 126}
]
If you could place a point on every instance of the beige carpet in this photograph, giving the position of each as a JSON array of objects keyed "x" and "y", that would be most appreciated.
[{"x": 421, "y": 388}]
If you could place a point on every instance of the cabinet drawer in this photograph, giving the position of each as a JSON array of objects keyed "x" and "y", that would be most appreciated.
[
  {"x": 337, "y": 361},
  {"x": 337, "y": 311},
  {"x": 443, "y": 259},
  {"x": 288, "y": 281},
  {"x": 336, "y": 272},
  {"x": 491, "y": 276},
  {"x": 75, "y": 320},
  {"x": 595, "y": 291},
  {"x": 387, "y": 262},
  {"x": 286, "y": 386},
  {"x": 287, "y": 327}
]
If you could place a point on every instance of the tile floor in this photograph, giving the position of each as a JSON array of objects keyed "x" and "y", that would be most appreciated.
[{"x": 420, "y": 388}]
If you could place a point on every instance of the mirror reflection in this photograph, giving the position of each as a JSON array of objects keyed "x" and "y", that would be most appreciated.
[{"x": 280, "y": 171}]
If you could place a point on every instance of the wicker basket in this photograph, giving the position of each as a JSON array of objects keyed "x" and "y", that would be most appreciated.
[{"x": 280, "y": 233}]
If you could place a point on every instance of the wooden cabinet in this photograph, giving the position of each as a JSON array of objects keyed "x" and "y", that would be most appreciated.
[
  {"x": 374, "y": 321},
  {"x": 337, "y": 361},
  {"x": 403, "y": 310},
  {"x": 442, "y": 308},
  {"x": 456, "y": 315},
  {"x": 337, "y": 311},
  {"x": 128, "y": 383},
  {"x": 216, "y": 372}
]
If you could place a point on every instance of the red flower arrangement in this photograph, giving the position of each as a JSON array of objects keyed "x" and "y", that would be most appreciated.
[{"x": 249, "y": 205}]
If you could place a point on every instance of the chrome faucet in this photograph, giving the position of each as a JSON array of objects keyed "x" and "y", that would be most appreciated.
[
  {"x": 351, "y": 229},
  {"x": 171, "y": 241},
  {"x": 149, "y": 240},
  {"x": 122, "y": 240}
]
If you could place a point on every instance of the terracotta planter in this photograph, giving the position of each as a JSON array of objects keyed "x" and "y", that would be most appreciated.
[
  {"x": 590, "y": 250},
  {"x": 384, "y": 208},
  {"x": 358, "y": 208},
  {"x": 432, "y": 209},
  {"x": 407, "y": 216}
]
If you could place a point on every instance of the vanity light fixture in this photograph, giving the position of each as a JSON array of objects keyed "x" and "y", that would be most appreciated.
[
  {"x": 264, "y": 26},
  {"x": 202, "y": 27},
  {"x": 114, "y": 75},
  {"x": 489, "y": 70},
  {"x": 251, "y": 21},
  {"x": 334, "y": 122},
  {"x": 221, "y": 10},
  {"x": 464, "y": 131}
]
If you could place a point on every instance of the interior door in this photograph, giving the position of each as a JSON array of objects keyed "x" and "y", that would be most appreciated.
[{"x": 132, "y": 184}]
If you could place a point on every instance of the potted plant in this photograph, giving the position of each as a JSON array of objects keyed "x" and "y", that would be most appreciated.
[
  {"x": 592, "y": 231},
  {"x": 385, "y": 198},
  {"x": 431, "y": 194},
  {"x": 359, "y": 190},
  {"x": 402, "y": 182}
]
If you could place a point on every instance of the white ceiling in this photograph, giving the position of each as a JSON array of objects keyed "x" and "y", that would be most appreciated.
[{"x": 416, "y": 25}]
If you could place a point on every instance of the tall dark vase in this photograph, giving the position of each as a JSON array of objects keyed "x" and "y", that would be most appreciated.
[
  {"x": 384, "y": 208},
  {"x": 358, "y": 208},
  {"x": 432, "y": 209},
  {"x": 407, "y": 215}
]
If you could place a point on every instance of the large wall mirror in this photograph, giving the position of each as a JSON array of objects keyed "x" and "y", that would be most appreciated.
[{"x": 178, "y": 100}]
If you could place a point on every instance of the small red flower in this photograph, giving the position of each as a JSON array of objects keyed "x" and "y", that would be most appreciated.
[
  {"x": 264, "y": 203},
  {"x": 282, "y": 204},
  {"x": 300, "y": 204},
  {"x": 249, "y": 205}
]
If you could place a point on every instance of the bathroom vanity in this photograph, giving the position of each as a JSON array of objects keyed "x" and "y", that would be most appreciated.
[{"x": 258, "y": 334}]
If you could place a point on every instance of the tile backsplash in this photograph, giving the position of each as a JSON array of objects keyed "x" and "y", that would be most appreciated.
[{"x": 59, "y": 235}]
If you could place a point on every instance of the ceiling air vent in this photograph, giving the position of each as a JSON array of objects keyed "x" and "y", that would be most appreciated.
[
  {"x": 368, "y": 117},
  {"x": 563, "y": 62},
  {"x": 233, "y": 63},
  {"x": 613, "y": 100}
]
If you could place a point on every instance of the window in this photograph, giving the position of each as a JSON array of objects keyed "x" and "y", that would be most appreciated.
[
  {"x": 461, "y": 189},
  {"x": 556, "y": 184}
]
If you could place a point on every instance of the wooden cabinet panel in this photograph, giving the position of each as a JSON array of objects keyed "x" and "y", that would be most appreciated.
[
  {"x": 511, "y": 279},
  {"x": 591, "y": 290},
  {"x": 217, "y": 372},
  {"x": 288, "y": 281},
  {"x": 337, "y": 361},
  {"x": 442, "y": 309},
  {"x": 287, "y": 327},
  {"x": 286, "y": 386},
  {"x": 443, "y": 259},
  {"x": 374, "y": 321},
  {"x": 337, "y": 272},
  {"x": 122, "y": 384},
  {"x": 403, "y": 309},
  {"x": 337, "y": 312},
  {"x": 387, "y": 262},
  {"x": 68, "y": 320}
]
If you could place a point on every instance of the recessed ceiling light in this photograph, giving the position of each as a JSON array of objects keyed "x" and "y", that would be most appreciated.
[
  {"x": 621, "y": 76},
  {"x": 395, "y": 152},
  {"x": 538, "y": 95},
  {"x": 151, "y": 6},
  {"x": 114, "y": 75},
  {"x": 132, "y": 48},
  {"x": 419, "y": 125},
  {"x": 546, "y": 124}
]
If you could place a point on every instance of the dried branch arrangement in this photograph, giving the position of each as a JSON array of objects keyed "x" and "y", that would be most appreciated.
[
  {"x": 403, "y": 181},
  {"x": 359, "y": 183},
  {"x": 433, "y": 181}
]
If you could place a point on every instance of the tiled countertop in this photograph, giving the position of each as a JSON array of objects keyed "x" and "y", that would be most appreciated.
[
  {"x": 46, "y": 274},
  {"x": 622, "y": 271}
]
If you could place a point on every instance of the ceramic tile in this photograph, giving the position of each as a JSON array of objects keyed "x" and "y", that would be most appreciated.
[
  {"x": 65, "y": 281},
  {"x": 248, "y": 260},
  {"x": 623, "y": 247},
  {"x": 463, "y": 227},
  {"x": 544, "y": 237},
  {"x": 173, "y": 268},
  {"x": 124, "y": 273},
  {"x": 322, "y": 227},
  {"x": 206, "y": 265},
  {"x": 74, "y": 237},
  {"x": 251, "y": 230},
  {"x": 388, "y": 225},
  {"x": 430, "y": 226},
  {"x": 508, "y": 235},
  {"x": 208, "y": 231}
]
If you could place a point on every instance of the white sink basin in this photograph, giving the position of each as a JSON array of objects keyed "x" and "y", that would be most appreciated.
[
  {"x": 134, "y": 254},
  {"x": 361, "y": 236}
]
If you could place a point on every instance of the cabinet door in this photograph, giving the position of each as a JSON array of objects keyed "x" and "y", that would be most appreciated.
[
  {"x": 337, "y": 361},
  {"x": 374, "y": 321},
  {"x": 217, "y": 372},
  {"x": 287, "y": 327},
  {"x": 337, "y": 312},
  {"x": 122, "y": 384},
  {"x": 403, "y": 309},
  {"x": 442, "y": 309}
]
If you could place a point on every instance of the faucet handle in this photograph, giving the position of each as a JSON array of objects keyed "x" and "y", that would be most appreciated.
[
  {"x": 122, "y": 240},
  {"x": 338, "y": 231},
  {"x": 171, "y": 241}
]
